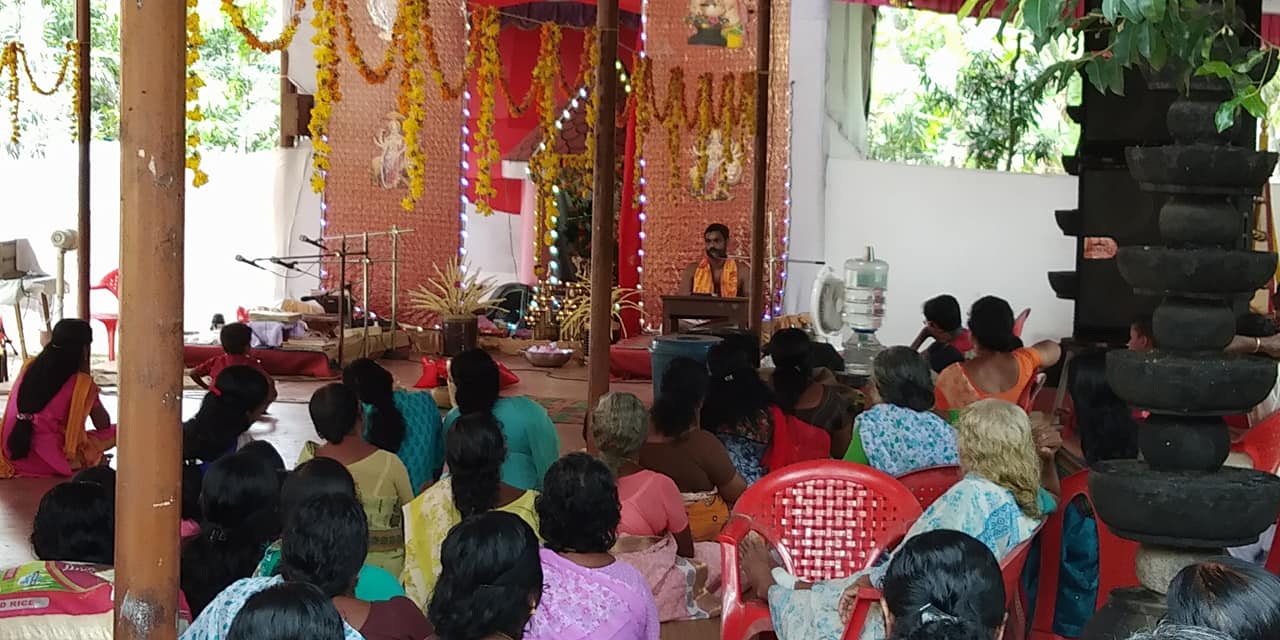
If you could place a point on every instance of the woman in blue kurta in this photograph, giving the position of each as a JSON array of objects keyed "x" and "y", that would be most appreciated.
[{"x": 401, "y": 421}]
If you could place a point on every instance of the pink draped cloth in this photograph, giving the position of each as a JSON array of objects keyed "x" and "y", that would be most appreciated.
[
  {"x": 47, "y": 457},
  {"x": 608, "y": 603},
  {"x": 684, "y": 588}
]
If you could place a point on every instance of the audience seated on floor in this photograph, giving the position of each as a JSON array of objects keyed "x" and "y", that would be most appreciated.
[
  {"x": 532, "y": 441},
  {"x": 696, "y": 460},
  {"x": 739, "y": 409},
  {"x": 587, "y": 593},
  {"x": 237, "y": 399},
  {"x": 490, "y": 579},
  {"x": 898, "y": 433},
  {"x": 1240, "y": 599},
  {"x": 51, "y": 400},
  {"x": 381, "y": 479},
  {"x": 403, "y": 421},
  {"x": 287, "y": 611},
  {"x": 1009, "y": 486},
  {"x": 474, "y": 452},
  {"x": 799, "y": 392},
  {"x": 653, "y": 527}
]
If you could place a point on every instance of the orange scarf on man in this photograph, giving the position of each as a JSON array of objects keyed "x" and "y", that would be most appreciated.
[{"x": 704, "y": 282}]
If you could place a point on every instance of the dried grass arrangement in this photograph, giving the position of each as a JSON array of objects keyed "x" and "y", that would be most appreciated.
[
  {"x": 575, "y": 321},
  {"x": 455, "y": 292}
]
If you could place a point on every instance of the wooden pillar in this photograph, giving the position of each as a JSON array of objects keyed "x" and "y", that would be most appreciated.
[
  {"x": 84, "y": 135},
  {"x": 152, "y": 192},
  {"x": 760, "y": 162},
  {"x": 602, "y": 232}
]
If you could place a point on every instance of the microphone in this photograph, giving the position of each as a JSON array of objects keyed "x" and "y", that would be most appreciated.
[
  {"x": 252, "y": 263},
  {"x": 314, "y": 243},
  {"x": 287, "y": 265}
]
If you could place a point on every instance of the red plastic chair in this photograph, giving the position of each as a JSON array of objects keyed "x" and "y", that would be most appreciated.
[
  {"x": 1027, "y": 400},
  {"x": 927, "y": 485},
  {"x": 826, "y": 519},
  {"x": 1010, "y": 568},
  {"x": 1117, "y": 560},
  {"x": 110, "y": 282},
  {"x": 1021, "y": 321},
  {"x": 1262, "y": 445}
]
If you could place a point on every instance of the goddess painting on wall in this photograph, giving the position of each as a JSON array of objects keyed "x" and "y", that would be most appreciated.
[
  {"x": 723, "y": 168},
  {"x": 388, "y": 167},
  {"x": 716, "y": 23}
]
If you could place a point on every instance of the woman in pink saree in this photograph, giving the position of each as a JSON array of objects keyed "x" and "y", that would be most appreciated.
[
  {"x": 587, "y": 593},
  {"x": 54, "y": 396}
]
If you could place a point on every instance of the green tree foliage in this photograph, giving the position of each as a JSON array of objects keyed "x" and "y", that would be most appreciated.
[{"x": 241, "y": 99}]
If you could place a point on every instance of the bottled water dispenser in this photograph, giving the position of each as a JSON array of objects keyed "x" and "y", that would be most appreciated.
[{"x": 865, "y": 282}]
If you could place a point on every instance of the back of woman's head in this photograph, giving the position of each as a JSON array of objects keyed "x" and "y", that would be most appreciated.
[
  {"x": 335, "y": 411},
  {"x": 239, "y": 500},
  {"x": 315, "y": 477},
  {"x": 793, "y": 366},
  {"x": 64, "y": 357},
  {"x": 75, "y": 522},
  {"x": 475, "y": 450},
  {"x": 991, "y": 323},
  {"x": 375, "y": 386},
  {"x": 902, "y": 378},
  {"x": 325, "y": 542},
  {"x": 735, "y": 394},
  {"x": 578, "y": 509},
  {"x": 287, "y": 611},
  {"x": 1166, "y": 631},
  {"x": 1105, "y": 423},
  {"x": 475, "y": 380},
  {"x": 265, "y": 452},
  {"x": 994, "y": 440},
  {"x": 619, "y": 426},
  {"x": 236, "y": 399},
  {"x": 490, "y": 578},
  {"x": 684, "y": 387},
  {"x": 1238, "y": 598},
  {"x": 98, "y": 474},
  {"x": 946, "y": 581}
]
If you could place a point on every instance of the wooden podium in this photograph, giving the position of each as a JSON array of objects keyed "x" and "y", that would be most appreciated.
[{"x": 677, "y": 308}]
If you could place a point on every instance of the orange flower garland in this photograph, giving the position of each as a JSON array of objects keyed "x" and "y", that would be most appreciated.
[
  {"x": 236, "y": 15},
  {"x": 328, "y": 90},
  {"x": 355, "y": 55}
]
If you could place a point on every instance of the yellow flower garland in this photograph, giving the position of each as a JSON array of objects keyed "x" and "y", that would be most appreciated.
[
  {"x": 236, "y": 15},
  {"x": 328, "y": 90},
  {"x": 9, "y": 61},
  {"x": 12, "y": 55},
  {"x": 414, "y": 91},
  {"x": 593, "y": 97},
  {"x": 193, "y": 83},
  {"x": 486, "y": 145}
]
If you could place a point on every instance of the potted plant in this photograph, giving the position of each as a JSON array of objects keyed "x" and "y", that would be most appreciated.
[
  {"x": 455, "y": 295},
  {"x": 575, "y": 320}
]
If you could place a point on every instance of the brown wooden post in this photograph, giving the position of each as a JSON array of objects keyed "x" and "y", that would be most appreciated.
[
  {"x": 152, "y": 193},
  {"x": 602, "y": 233},
  {"x": 760, "y": 162},
  {"x": 84, "y": 135}
]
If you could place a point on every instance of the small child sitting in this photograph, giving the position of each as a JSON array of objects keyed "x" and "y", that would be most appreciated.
[
  {"x": 942, "y": 324},
  {"x": 236, "y": 339}
]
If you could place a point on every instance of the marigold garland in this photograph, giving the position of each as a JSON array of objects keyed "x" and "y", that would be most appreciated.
[
  {"x": 328, "y": 90},
  {"x": 448, "y": 91},
  {"x": 593, "y": 100},
  {"x": 355, "y": 55},
  {"x": 413, "y": 82},
  {"x": 236, "y": 15},
  {"x": 12, "y": 55},
  {"x": 486, "y": 145},
  {"x": 193, "y": 83}
]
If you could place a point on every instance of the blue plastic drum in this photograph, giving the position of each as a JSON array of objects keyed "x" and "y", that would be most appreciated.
[{"x": 683, "y": 345}]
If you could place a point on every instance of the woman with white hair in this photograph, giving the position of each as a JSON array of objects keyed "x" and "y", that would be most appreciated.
[{"x": 1001, "y": 501}]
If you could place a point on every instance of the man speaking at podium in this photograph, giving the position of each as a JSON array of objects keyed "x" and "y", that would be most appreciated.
[{"x": 716, "y": 274}]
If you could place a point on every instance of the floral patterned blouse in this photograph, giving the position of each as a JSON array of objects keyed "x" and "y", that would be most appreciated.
[{"x": 898, "y": 440}]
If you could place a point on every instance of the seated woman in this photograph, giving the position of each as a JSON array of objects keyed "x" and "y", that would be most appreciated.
[
  {"x": 532, "y": 441},
  {"x": 325, "y": 542},
  {"x": 738, "y": 410},
  {"x": 474, "y": 451},
  {"x": 288, "y": 611},
  {"x": 322, "y": 477},
  {"x": 587, "y": 594},
  {"x": 381, "y": 480},
  {"x": 238, "y": 502},
  {"x": 1240, "y": 599},
  {"x": 1001, "y": 369},
  {"x": 44, "y": 431},
  {"x": 404, "y": 422},
  {"x": 237, "y": 399},
  {"x": 899, "y": 434},
  {"x": 653, "y": 526},
  {"x": 692, "y": 457},
  {"x": 67, "y": 593},
  {"x": 490, "y": 579},
  {"x": 829, "y": 407},
  {"x": 1000, "y": 501},
  {"x": 943, "y": 584}
]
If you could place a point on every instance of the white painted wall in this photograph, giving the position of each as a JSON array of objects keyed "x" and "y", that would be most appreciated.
[{"x": 493, "y": 244}]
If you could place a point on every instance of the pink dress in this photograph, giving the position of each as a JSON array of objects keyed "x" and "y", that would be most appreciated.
[
  {"x": 651, "y": 505},
  {"x": 608, "y": 603},
  {"x": 47, "y": 457}
]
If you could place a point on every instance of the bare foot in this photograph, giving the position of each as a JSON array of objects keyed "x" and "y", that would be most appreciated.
[{"x": 756, "y": 565}]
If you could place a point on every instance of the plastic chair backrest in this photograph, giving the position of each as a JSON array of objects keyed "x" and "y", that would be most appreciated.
[
  {"x": 930, "y": 483},
  {"x": 1027, "y": 400},
  {"x": 1117, "y": 558},
  {"x": 1262, "y": 444},
  {"x": 110, "y": 282},
  {"x": 1021, "y": 321},
  {"x": 828, "y": 518}
]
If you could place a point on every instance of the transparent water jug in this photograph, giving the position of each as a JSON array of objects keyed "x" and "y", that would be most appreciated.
[
  {"x": 860, "y": 351},
  {"x": 865, "y": 282}
]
